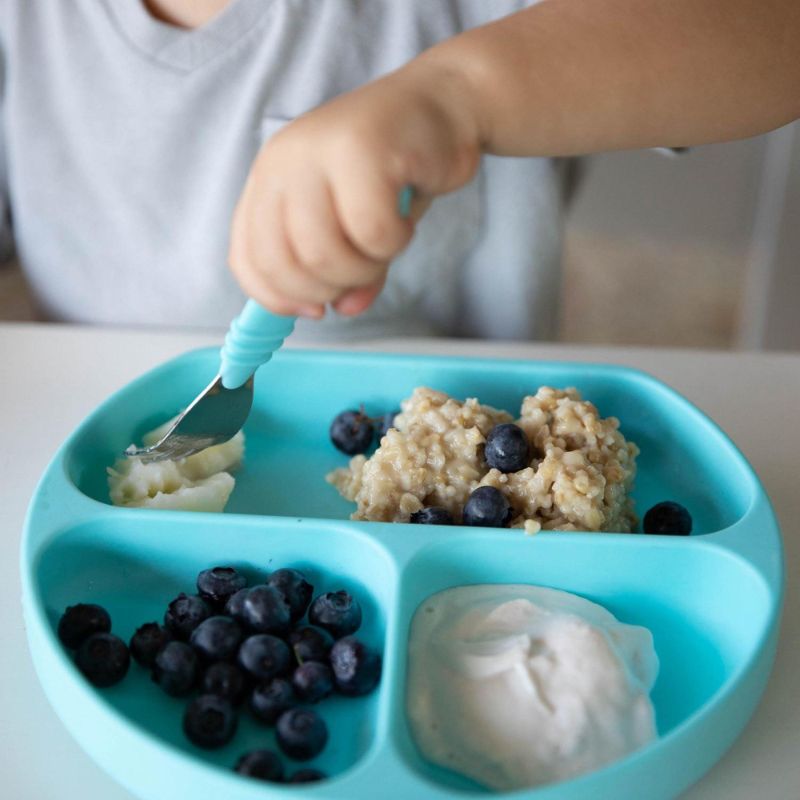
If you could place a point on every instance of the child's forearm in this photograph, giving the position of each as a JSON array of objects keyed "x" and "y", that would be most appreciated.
[{"x": 575, "y": 76}]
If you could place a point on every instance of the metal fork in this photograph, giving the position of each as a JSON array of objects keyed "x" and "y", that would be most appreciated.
[{"x": 221, "y": 409}]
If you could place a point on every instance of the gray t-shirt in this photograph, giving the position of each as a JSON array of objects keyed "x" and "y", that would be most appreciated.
[{"x": 126, "y": 142}]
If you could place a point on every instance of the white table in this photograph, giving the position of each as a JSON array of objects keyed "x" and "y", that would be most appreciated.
[{"x": 52, "y": 376}]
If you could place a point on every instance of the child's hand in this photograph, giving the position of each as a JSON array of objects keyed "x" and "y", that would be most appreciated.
[{"x": 318, "y": 221}]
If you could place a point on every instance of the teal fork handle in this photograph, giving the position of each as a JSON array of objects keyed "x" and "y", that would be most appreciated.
[
  {"x": 250, "y": 342},
  {"x": 404, "y": 200},
  {"x": 257, "y": 333}
]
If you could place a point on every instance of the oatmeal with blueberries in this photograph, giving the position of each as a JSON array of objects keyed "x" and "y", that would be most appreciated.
[{"x": 558, "y": 466}]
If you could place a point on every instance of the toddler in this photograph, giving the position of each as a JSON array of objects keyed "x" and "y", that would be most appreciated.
[{"x": 134, "y": 132}]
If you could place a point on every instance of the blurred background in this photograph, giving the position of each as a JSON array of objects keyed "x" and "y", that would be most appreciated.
[{"x": 695, "y": 250}]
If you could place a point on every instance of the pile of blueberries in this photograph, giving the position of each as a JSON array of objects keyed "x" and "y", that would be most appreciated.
[
  {"x": 507, "y": 450},
  {"x": 235, "y": 643}
]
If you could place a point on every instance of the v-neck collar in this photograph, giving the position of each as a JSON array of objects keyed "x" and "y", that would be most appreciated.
[{"x": 183, "y": 49}]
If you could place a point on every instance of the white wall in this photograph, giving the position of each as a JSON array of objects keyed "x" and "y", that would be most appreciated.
[
  {"x": 734, "y": 203},
  {"x": 770, "y": 317}
]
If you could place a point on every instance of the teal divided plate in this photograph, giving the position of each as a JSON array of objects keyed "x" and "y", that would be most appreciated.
[{"x": 712, "y": 600}]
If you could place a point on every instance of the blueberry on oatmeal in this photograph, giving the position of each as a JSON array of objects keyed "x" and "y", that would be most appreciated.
[
  {"x": 433, "y": 515},
  {"x": 487, "y": 507},
  {"x": 507, "y": 448}
]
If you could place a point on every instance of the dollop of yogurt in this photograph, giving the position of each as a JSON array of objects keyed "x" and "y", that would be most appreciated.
[{"x": 515, "y": 685}]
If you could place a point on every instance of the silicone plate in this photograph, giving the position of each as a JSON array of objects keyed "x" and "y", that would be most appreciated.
[{"x": 712, "y": 600}]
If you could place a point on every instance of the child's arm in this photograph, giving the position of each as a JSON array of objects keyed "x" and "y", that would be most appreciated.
[
  {"x": 318, "y": 222},
  {"x": 576, "y": 76}
]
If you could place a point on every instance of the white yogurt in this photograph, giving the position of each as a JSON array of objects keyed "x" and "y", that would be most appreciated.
[{"x": 516, "y": 685}]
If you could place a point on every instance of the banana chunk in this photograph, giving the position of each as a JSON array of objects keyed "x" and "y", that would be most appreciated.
[{"x": 200, "y": 482}]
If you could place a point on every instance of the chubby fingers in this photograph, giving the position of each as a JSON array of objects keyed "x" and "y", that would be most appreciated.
[
  {"x": 291, "y": 250},
  {"x": 357, "y": 300},
  {"x": 318, "y": 239},
  {"x": 263, "y": 262},
  {"x": 367, "y": 206}
]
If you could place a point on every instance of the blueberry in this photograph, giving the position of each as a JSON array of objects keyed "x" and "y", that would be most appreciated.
[
  {"x": 356, "y": 667},
  {"x": 147, "y": 641},
  {"x": 336, "y": 612},
  {"x": 264, "y": 656},
  {"x": 269, "y": 700},
  {"x": 265, "y": 765},
  {"x": 386, "y": 422},
  {"x": 433, "y": 515},
  {"x": 351, "y": 432},
  {"x": 301, "y": 733},
  {"x": 79, "y": 622},
  {"x": 507, "y": 448},
  {"x": 216, "y": 638},
  {"x": 306, "y": 775},
  {"x": 294, "y": 587},
  {"x": 312, "y": 681},
  {"x": 175, "y": 668},
  {"x": 209, "y": 721},
  {"x": 310, "y": 644},
  {"x": 266, "y": 611},
  {"x": 216, "y": 585},
  {"x": 103, "y": 658},
  {"x": 225, "y": 680},
  {"x": 234, "y": 607},
  {"x": 668, "y": 517},
  {"x": 184, "y": 614},
  {"x": 487, "y": 507}
]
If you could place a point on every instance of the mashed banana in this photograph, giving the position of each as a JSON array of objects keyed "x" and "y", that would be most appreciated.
[
  {"x": 579, "y": 477},
  {"x": 201, "y": 482}
]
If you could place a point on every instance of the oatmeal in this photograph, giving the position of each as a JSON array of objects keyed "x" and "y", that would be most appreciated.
[{"x": 579, "y": 477}]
